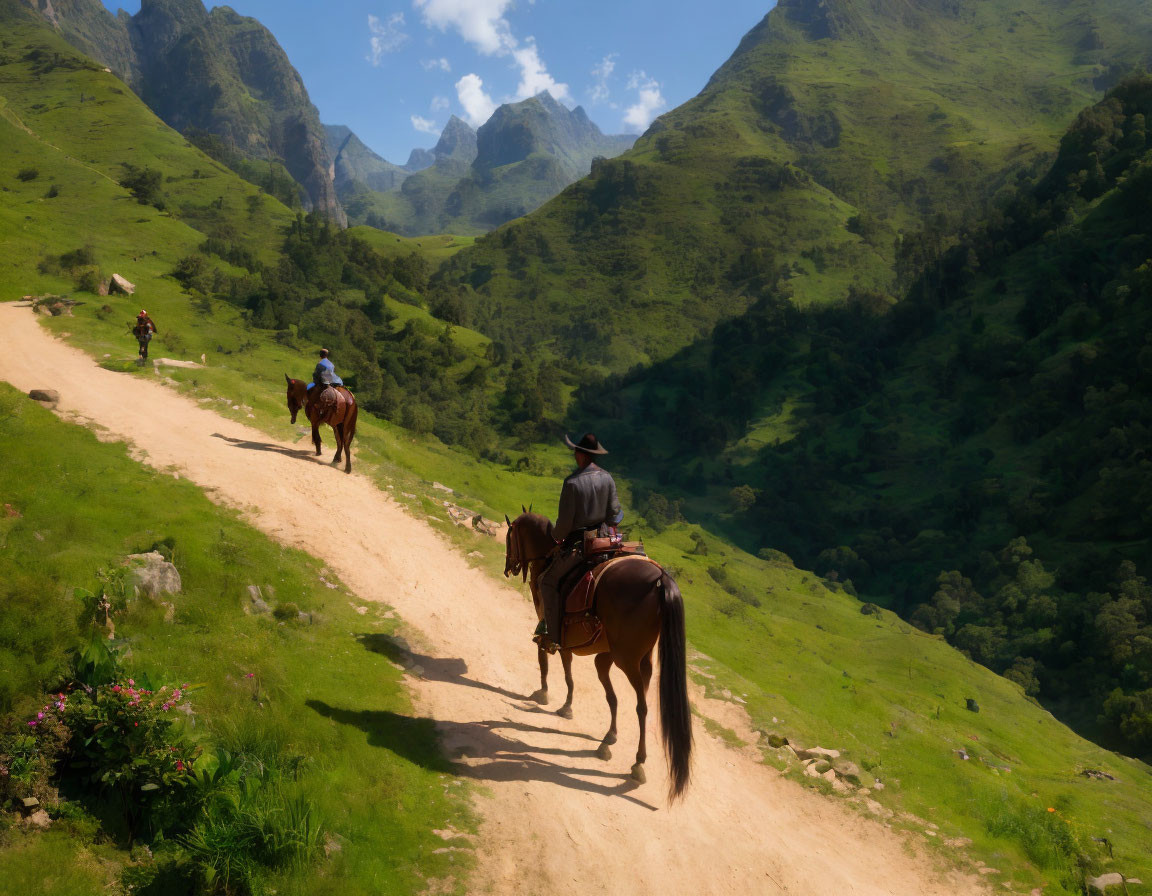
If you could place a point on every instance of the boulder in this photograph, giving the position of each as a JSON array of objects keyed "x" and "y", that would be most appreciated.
[
  {"x": 120, "y": 284},
  {"x": 38, "y": 819},
  {"x": 153, "y": 575},
  {"x": 1104, "y": 881},
  {"x": 818, "y": 753},
  {"x": 822, "y": 766},
  {"x": 848, "y": 770},
  {"x": 48, "y": 396},
  {"x": 256, "y": 602}
]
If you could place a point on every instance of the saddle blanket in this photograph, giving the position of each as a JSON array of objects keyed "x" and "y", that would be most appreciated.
[{"x": 582, "y": 632}]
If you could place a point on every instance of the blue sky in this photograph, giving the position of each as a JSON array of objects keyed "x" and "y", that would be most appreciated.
[{"x": 395, "y": 70}]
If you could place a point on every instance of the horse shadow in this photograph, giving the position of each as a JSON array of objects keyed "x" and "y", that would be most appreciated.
[
  {"x": 500, "y": 757},
  {"x": 442, "y": 669},
  {"x": 264, "y": 446}
]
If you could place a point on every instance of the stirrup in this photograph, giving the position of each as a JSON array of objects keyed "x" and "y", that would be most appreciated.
[{"x": 545, "y": 643}]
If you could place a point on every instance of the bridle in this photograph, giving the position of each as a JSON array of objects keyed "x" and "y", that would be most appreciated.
[{"x": 513, "y": 561}]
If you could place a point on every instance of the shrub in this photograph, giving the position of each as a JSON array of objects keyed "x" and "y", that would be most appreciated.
[
  {"x": 126, "y": 743},
  {"x": 53, "y": 192},
  {"x": 27, "y": 174},
  {"x": 29, "y": 753}
]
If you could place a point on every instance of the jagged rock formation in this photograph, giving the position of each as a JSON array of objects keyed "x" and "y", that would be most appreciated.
[
  {"x": 524, "y": 155},
  {"x": 215, "y": 71}
]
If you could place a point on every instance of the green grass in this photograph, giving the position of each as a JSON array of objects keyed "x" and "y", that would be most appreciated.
[
  {"x": 435, "y": 248},
  {"x": 371, "y": 766}
]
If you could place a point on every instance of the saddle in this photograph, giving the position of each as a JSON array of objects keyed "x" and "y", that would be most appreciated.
[
  {"x": 581, "y": 630},
  {"x": 332, "y": 405}
]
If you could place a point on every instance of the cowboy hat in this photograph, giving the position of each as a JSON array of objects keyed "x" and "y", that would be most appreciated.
[{"x": 589, "y": 444}]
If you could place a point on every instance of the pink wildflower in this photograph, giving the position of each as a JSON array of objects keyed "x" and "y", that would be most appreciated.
[
  {"x": 131, "y": 682},
  {"x": 165, "y": 707},
  {"x": 250, "y": 675},
  {"x": 32, "y": 724},
  {"x": 115, "y": 689},
  {"x": 176, "y": 694},
  {"x": 135, "y": 724},
  {"x": 39, "y": 715},
  {"x": 179, "y": 765}
]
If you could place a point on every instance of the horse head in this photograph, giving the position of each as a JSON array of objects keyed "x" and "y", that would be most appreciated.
[
  {"x": 529, "y": 539},
  {"x": 295, "y": 399}
]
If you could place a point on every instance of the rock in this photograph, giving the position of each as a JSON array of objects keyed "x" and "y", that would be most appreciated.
[
  {"x": 848, "y": 770},
  {"x": 777, "y": 740},
  {"x": 1104, "y": 881},
  {"x": 120, "y": 284},
  {"x": 818, "y": 753},
  {"x": 29, "y": 803},
  {"x": 48, "y": 396},
  {"x": 154, "y": 575},
  {"x": 475, "y": 555},
  {"x": 971, "y": 705},
  {"x": 1096, "y": 775},
  {"x": 256, "y": 602},
  {"x": 38, "y": 819},
  {"x": 443, "y": 488},
  {"x": 822, "y": 766},
  {"x": 482, "y": 525}
]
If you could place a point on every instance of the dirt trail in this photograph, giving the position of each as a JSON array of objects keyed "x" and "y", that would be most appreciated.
[{"x": 554, "y": 816}]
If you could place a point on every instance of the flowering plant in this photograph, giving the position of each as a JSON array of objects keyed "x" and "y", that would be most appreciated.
[{"x": 125, "y": 740}]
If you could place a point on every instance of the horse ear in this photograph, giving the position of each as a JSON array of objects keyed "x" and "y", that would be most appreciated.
[
  {"x": 508, "y": 521},
  {"x": 529, "y": 508},
  {"x": 523, "y": 509},
  {"x": 288, "y": 379}
]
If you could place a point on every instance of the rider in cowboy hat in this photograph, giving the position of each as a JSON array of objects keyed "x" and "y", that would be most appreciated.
[{"x": 587, "y": 501}]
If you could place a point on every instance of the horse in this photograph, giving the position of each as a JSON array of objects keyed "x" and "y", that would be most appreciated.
[
  {"x": 639, "y": 605},
  {"x": 343, "y": 425}
]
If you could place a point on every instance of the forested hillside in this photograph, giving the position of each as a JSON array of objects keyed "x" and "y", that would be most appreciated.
[
  {"x": 835, "y": 131},
  {"x": 976, "y": 455}
]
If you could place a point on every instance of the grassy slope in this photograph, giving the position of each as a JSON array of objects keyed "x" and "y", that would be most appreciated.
[
  {"x": 381, "y": 795},
  {"x": 865, "y": 119},
  {"x": 896, "y": 678}
]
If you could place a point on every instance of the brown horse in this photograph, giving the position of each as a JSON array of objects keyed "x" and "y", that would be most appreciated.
[
  {"x": 343, "y": 424},
  {"x": 639, "y": 604}
]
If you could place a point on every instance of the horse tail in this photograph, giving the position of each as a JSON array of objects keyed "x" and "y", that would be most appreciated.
[{"x": 675, "y": 713}]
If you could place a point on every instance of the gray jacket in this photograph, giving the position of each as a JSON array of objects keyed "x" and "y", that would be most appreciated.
[{"x": 587, "y": 500}]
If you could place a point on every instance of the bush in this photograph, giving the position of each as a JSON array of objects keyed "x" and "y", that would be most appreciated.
[
  {"x": 29, "y": 753},
  {"x": 53, "y": 192},
  {"x": 144, "y": 184},
  {"x": 27, "y": 174}
]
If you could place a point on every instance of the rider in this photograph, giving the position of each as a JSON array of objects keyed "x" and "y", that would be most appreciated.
[
  {"x": 587, "y": 501},
  {"x": 143, "y": 331},
  {"x": 325, "y": 372}
]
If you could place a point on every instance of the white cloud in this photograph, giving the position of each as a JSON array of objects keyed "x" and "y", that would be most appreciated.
[
  {"x": 649, "y": 101},
  {"x": 480, "y": 22},
  {"x": 386, "y": 37},
  {"x": 440, "y": 103},
  {"x": 534, "y": 76},
  {"x": 442, "y": 64},
  {"x": 483, "y": 23},
  {"x": 478, "y": 105},
  {"x": 425, "y": 126},
  {"x": 599, "y": 91}
]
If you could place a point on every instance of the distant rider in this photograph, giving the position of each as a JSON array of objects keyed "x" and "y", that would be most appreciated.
[
  {"x": 325, "y": 372},
  {"x": 587, "y": 501},
  {"x": 144, "y": 329}
]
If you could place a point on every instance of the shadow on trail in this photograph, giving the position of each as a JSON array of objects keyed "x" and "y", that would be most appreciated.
[
  {"x": 494, "y": 756},
  {"x": 265, "y": 446},
  {"x": 443, "y": 669}
]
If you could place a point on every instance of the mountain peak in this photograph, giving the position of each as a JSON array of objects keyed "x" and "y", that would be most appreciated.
[{"x": 457, "y": 141}]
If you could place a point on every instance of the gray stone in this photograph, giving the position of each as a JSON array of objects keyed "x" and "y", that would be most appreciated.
[
  {"x": 121, "y": 284},
  {"x": 29, "y": 802},
  {"x": 256, "y": 602},
  {"x": 822, "y": 765},
  {"x": 847, "y": 769},
  {"x": 153, "y": 575},
  {"x": 1104, "y": 881},
  {"x": 50, "y": 396},
  {"x": 38, "y": 819},
  {"x": 818, "y": 753}
]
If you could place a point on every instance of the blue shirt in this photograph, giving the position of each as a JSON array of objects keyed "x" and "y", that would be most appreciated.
[{"x": 325, "y": 366}]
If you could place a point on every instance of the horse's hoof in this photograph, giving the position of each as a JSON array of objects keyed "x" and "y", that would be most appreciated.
[
  {"x": 565, "y": 711},
  {"x": 540, "y": 696},
  {"x": 603, "y": 752},
  {"x": 638, "y": 774},
  {"x": 610, "y": 737}
]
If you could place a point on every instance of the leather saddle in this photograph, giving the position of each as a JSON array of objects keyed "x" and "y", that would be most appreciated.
[
  {"x": 581, "y": 630},
  {"x": 332, "y": 405}
]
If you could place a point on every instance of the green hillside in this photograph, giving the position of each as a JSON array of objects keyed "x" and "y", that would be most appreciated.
[
  {"x": 211, "y": 71},
  {"x": 835, "y": 128},
  {"x": 974, "y": 457}
]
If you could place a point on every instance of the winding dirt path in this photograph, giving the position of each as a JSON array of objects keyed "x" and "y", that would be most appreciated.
[{"x": 554, "y": 817}]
